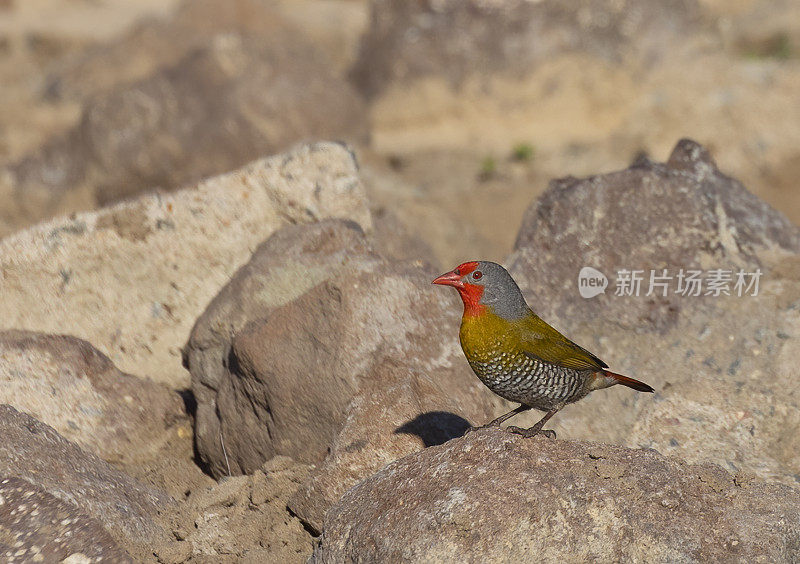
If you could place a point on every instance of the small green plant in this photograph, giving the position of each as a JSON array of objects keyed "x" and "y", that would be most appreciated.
[
  {"x": 778, "y": 47},
  {"x": 783, "y": 47},
  {"x": 522, "y": 152},
  {"x": 488, "y": 168}
]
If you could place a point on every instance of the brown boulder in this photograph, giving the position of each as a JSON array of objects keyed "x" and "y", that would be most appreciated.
[
  {"x": 495, "y": 496},
  {"x": 281, "y": 384},
  {"x": 330, "y": 338},
  {"x": 289, "y": 263}
]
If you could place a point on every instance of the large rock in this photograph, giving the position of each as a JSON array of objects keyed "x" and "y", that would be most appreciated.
[
  {"x": 683, "y": 213},
  {"x": 332, "y": 338},
  {"x": 290, "y": 262},
  {"x": 71, "y": 386},
  {"x": 34, "y": 452},
  {"x": 494, "y": 496},
  {"x": 132, "y": 279},
  {"x": 722, "y": 366},
  {"x": 397, "y": 413},
  {"x": 38, "y": 527},
  {"x": 335, "y": 311}
]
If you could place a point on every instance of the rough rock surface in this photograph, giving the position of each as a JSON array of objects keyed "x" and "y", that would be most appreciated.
[
  {"x": 66, "y": 383},
  {"x": 94, "y": 275},
  {"x": 492, "y": 495},
  {"x": 398, "y": 412},
  {"x": 215, "y": 110},
  {"x": 33, "y": 451},
  {"x": 335, "y": 311},
  {"x": 722, "y": 366},
  {"x": 38, "y": 527},
  {"x": 290, "y": 262},
  {"x": 723, "y": 375},
  {"x": 683, "y": 213}
]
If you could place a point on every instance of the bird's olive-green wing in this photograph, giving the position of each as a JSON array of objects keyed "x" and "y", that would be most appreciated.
[{"x": 540, "y": 341}]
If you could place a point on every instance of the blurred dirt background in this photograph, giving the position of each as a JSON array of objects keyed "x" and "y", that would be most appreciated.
[{"x": 460, "y": 112}]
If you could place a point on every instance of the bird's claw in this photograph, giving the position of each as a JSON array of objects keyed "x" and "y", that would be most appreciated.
[{"x": 532, "y": 432}]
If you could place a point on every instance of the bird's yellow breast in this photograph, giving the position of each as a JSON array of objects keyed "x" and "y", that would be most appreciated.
[{"x": 482, "y": 336}]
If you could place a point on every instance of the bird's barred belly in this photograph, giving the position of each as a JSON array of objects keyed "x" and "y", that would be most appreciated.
[{"x": 519, "y": 378}]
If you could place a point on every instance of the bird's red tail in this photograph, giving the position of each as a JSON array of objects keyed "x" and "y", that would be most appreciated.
[{"x": 630, "y": 382}]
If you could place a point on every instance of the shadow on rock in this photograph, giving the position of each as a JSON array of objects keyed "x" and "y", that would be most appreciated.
[{"x": 435, "y": 427}]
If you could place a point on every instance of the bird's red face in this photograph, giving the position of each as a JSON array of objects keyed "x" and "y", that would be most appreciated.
[{"x": 466, "y": 279}]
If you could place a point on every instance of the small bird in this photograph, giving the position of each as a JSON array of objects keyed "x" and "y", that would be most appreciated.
[{"x": 516, "y": 354}]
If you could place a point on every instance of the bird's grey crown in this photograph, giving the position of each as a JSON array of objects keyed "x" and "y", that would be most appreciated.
[{"x": 501, "y": 292}]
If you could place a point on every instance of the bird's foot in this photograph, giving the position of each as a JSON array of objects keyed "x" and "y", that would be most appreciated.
[{"x": 532, "y": 432}]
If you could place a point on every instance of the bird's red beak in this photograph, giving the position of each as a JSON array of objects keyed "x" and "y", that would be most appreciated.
[{"x": 451, "y": 278}]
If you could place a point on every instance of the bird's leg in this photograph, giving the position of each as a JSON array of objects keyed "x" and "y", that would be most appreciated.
[
  {"x": 537, "y": 429},
  {"x": 499, "y": 420},
  {"x": 496, "y": 423}
]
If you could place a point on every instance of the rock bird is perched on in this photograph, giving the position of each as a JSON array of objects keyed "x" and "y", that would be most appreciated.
[{"x": 516, "y": 354}]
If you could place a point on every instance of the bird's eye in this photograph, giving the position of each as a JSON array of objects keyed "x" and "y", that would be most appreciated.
[{"x": 477, "y": 275}]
